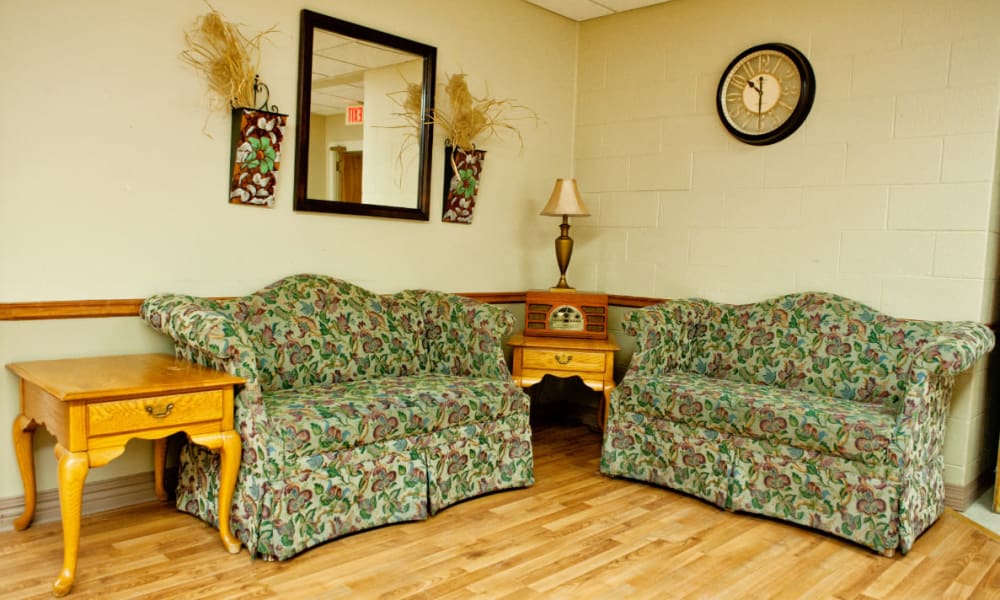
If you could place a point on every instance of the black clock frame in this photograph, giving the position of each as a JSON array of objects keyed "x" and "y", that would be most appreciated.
[{"x": 802, "y": 107}]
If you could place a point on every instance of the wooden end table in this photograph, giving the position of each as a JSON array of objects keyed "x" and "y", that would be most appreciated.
[
  {"x": 94, "y": 406},
  {"x": 592, "y": 360}
]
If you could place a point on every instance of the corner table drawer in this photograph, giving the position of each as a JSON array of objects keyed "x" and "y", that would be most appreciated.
[
  {"x": 153, "y": 412},
  {"x": 590, "y": 359},
  {"x": 564, "y": 360}
]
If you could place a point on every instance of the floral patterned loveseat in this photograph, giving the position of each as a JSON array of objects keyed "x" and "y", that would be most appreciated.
[
  {"x": 358, "y": 409},
  {"x": 811, "y": 408}
]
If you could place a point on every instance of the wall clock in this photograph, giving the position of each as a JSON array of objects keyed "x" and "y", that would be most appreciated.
[{"x": 765, "y": 94}]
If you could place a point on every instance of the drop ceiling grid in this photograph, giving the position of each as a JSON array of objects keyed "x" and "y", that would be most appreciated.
[{"x": 582, "y": 10}]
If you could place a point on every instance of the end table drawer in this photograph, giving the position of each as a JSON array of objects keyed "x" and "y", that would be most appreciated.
[
  {"x": 150, "y": 413},
  {"x": 564, "y": 360}
]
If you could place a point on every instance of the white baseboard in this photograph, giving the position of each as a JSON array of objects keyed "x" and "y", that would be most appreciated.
[{"x": 99, "y": 496}]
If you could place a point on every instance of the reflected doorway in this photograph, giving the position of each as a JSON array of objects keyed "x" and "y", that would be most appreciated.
[{"x": 345, "y": 186}]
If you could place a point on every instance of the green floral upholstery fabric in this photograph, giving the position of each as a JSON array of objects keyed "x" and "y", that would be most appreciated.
[
  {"x": 359, "y": 409},
  {"x": 387, "y": 408},
  {"x": 810, "y": 407},
  {"x": 830, "y": 425}
]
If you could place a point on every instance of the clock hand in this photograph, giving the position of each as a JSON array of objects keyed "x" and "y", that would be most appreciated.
[{"x": 760, "y": 99}]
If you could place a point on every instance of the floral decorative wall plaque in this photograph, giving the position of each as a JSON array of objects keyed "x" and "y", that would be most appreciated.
[
  {"x": 256, "y": 155},
  {"x": 461, "y": 175}
]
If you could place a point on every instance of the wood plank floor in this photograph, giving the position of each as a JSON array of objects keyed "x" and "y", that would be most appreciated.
[{"x": 575, "y": 534}]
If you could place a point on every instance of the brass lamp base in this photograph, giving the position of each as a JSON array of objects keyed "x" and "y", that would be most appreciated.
[{"x": 564, "y": 251}]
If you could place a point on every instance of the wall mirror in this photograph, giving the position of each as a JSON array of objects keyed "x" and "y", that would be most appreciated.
[{"x": 361, "y": 148}]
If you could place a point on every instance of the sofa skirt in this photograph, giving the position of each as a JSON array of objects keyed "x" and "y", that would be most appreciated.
[
  {"x": 360, "y": 488},
  {"x": 852, "y": 500}
]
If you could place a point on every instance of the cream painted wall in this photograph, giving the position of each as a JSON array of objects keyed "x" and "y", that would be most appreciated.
[
  {"x": 888, "y": 193},
  {"x": 112, "y": 189}
]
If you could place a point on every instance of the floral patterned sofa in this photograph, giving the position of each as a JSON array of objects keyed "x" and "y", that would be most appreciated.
[
  {"x": 811, "y": 408},
  {"x": 358, "y": 410}
]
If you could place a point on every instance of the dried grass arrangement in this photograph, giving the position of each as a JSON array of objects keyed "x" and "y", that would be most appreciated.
[
  {"x": 227, "y": 58},
  {"x": 410, "y": 101},
  {"x": 469, "y": 119}
]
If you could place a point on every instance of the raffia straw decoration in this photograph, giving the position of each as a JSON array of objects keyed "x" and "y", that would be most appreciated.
[
  {"x": 414, "y": 100},
  {"x": 469, "y": 118},
  {"x": 466, "y": 119},
  {"x": 228, "y": 59},
  {"x": 410, "y": 102}
]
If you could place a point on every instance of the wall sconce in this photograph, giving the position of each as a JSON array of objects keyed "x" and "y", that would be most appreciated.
[{"x": 564, "y": 202}]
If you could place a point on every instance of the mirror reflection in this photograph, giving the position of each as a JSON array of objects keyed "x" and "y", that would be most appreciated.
[{"x": 364, "y": 148}]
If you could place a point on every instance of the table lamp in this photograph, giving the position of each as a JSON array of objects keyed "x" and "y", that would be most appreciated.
[{"x": 564, "y": 202}]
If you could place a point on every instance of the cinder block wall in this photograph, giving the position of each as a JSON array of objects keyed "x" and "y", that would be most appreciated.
[{"x": 887, "y": 194}]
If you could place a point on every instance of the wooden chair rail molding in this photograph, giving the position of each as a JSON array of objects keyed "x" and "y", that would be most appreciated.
[{"x": 95, "y": 309}]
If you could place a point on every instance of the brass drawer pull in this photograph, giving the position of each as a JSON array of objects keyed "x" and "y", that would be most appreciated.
[
  {"x": 160, "y": 415},
  {"x": 564, "y": 359}
]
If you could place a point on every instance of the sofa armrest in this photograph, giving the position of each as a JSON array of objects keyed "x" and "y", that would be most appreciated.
[
  {"x": 957, "y": 346},
  {"x": 921, "y": 421},
  {"x": 464, "y": 337},
  {"x": 199, "y": 327},
  {"x": 664, "y": 334},
  {"x": 206, "y": 336}
]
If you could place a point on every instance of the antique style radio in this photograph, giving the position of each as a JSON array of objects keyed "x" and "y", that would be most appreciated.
[{"x": 562, "y": 314}]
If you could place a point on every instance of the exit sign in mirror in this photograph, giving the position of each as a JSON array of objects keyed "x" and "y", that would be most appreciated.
[{"x": 355, "y": 115}]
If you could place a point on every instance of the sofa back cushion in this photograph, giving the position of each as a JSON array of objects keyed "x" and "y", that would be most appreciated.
[
  {"x": 313, "y": 329},
  {"x": 463, "y": 336},
  {"x": 814, "y": 342}
]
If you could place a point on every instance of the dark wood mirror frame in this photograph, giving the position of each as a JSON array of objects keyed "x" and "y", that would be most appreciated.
[{"x": 311, "y": 21}]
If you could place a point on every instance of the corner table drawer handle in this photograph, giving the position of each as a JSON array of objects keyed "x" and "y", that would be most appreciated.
[
  {"x": 564, "y": 359},
  {"x": 160, "y": 415}
]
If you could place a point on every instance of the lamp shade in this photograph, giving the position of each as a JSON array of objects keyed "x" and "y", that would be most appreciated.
[{"x": 565, "y": 200}]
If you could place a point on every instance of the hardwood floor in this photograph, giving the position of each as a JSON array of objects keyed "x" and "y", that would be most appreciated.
[{"x": 574, "y": 534}]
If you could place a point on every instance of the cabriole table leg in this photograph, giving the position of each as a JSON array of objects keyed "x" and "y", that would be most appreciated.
[
  {"x": 230, "y": 466},
  {"x": 23, "y": 434},
  {"x": 73, "y": 468},
  {"x": 227, "y": 443}
]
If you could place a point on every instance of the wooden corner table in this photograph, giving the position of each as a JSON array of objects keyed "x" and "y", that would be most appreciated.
[
  {"x": 593, "y": 360},
  {"x": 94, "y": 406}
]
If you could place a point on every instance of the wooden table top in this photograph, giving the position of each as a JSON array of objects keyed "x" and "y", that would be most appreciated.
[
  {"x": 110, "y": 377},
  {"x": 538, "y": 341}
]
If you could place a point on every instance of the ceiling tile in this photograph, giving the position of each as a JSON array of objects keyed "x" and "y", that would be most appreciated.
[
  {"x": 622, "y": 5},
  {"x": 581, "y": 10},
  {"x": 578, "y": 10}
]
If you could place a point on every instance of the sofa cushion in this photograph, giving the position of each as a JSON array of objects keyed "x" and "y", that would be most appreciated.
[
  {"x": 819, "y": 343},
  {"x": 312, "y": 330},
  {"x": 845, "y": 428},
  {"x": 330, "y": 417}
]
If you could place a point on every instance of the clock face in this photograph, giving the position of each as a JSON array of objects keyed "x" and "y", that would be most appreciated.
[{"x": 765, "y": 93}]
